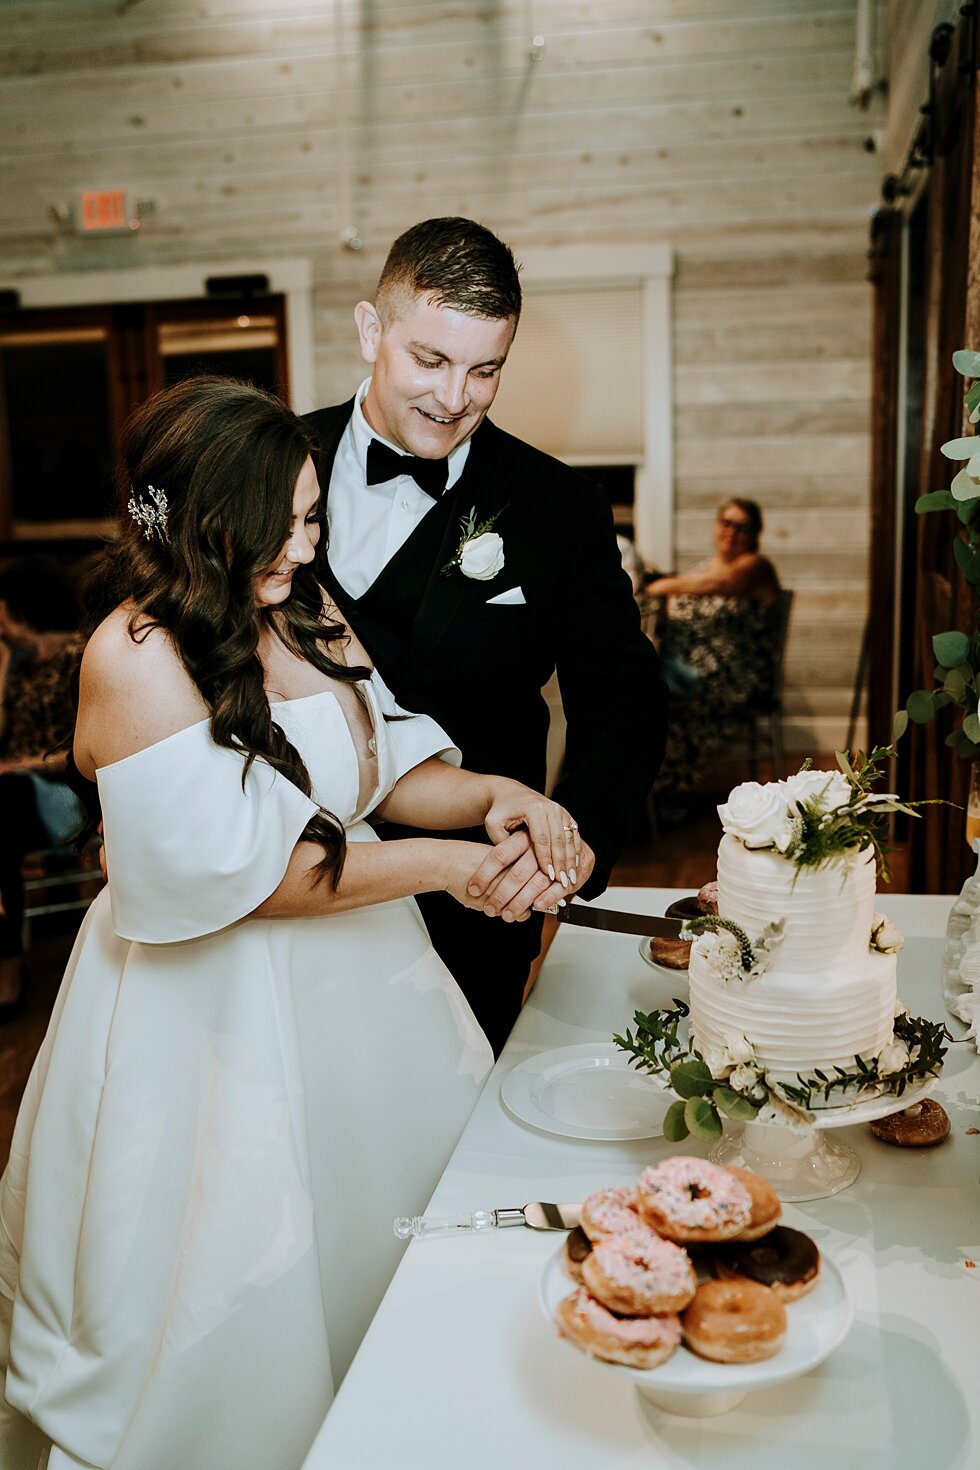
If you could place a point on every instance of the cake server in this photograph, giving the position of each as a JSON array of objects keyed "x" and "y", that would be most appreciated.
[
  {"x": 537, "y": 1216},
  {"x": 620, "y": 922}
]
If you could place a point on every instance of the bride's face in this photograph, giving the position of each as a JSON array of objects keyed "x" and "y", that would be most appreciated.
[{"x": 275, "y": 585}]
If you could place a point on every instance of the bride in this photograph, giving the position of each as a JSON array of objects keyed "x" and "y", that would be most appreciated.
[{"x": 256, "y": 1060}]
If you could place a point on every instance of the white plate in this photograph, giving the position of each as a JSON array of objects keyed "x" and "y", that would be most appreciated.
[
  {"x": 587, "y": 1091},
  {"x": 818, "y": 1323}
]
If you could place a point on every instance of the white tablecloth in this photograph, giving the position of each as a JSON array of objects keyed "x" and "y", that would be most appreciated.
[{"x": 460, "y": 1371}]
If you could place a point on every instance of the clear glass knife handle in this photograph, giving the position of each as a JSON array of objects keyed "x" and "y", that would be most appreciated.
[{"x": 408, "y": 1227}]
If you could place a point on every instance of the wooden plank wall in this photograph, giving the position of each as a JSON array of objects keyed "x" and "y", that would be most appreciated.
[{"x": 722, "y": 126}]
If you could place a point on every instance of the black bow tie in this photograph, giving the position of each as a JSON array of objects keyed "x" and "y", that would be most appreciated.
[{"x": 384, "y": 464}]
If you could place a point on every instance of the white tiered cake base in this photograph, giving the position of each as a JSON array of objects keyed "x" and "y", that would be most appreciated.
[{"x": 810, "y": 1165}]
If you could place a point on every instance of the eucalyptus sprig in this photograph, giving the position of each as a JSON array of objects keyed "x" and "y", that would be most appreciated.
[
  {"x": 825, "y": 836},
  {"x": 703, "y": 1099},
  {"x": 925, "y": 1041}
]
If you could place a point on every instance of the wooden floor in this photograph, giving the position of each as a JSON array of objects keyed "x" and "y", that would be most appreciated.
[{"x": 683, "y": 857}]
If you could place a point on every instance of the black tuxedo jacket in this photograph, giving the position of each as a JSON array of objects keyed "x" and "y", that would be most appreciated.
[{"x": 478, "y": 669}]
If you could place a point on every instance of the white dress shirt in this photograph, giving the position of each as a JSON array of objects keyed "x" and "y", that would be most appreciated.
[{"x": 368, "y": 523}]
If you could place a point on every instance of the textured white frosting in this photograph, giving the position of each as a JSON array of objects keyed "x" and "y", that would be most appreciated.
[
  {"x": 828, "y": 911},
  {"x": 827, "y": 997}
]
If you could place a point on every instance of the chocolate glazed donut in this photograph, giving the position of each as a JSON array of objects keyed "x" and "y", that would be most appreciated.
[
  {"x": 785, "y": 1260},
  {"x": 577, "y": 1247}
]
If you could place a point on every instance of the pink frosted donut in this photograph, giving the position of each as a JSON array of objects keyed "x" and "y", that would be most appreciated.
[
  {"x": 639, "y": 1275},
  {"x": 609, "y": 1212},
  {"x": 690, "y": 1199},
  {"x": 637, "y": 1342}
]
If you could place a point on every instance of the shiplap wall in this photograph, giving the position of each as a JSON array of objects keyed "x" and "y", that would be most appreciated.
[{"x": 720, "y": 126}]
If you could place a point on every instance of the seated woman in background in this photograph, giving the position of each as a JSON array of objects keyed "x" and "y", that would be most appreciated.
[
  {"x": 39, "y": 651},
  {"x": 718, "y": 648}
]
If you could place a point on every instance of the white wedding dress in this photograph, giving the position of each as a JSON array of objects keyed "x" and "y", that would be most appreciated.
[{"x": 224, "y": 1119}]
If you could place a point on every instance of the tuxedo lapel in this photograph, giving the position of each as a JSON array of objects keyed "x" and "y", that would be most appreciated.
[{"x": 446, "y": 594}]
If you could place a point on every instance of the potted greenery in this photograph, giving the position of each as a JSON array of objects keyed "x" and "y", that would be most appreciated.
[{"x": 957, "y": 671}]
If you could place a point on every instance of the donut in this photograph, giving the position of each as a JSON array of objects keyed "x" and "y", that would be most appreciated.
[
  {"x": 689, "y": 1199},
  {"x": 639, "y": 1275},
  {"x": 785, "y": 1260},
  {"x": 708, "y": 898},
  {"x": 577, "y": 1247},
  {"x": 636, "y": 1342},
  {"x": 766, "y": 1208},
  {"x": 684, "y": 908},
  {"x": 609, "y": 1212},
  {"x": 734, "y": 1322},
  {"x": 919, "y": 1126},
  {"x": 673, "y": 954}
]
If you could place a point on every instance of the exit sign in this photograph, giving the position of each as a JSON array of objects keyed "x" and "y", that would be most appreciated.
[{"x": 104, "y": 209}]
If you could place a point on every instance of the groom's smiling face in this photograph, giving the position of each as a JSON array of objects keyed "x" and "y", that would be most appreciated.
[{"x": 436, "y": 372}]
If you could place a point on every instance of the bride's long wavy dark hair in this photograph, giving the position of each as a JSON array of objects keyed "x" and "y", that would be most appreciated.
[{"x": 227, "y": 456}]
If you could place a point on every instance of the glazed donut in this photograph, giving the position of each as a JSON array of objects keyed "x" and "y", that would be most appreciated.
[
  {"x": 734, "y": 1322},
  {"x": 609, "y": 1212},
  {"x": 766, "y": 1208},
  {"x": 688, "y": 1199},
  {"x": 577, "y": 1247},
  {"x": 673, "y": 954},
  {"x": 639, "y": 1275},
  {"x": 922, "y": 1124},
  {"x": 636, "y": 1342},
  {"x": 785, "y": 1260}
]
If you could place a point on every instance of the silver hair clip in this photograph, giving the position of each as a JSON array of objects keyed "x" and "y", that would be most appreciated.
[{"x": 153, "y": 518}]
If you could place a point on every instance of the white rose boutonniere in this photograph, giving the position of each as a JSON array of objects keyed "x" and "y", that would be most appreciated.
[
  {"x": 757, "y": 815},
  {"x": 480, "y": 553}
]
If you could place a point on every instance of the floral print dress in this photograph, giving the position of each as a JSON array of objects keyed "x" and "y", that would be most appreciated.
[{"x": 719, "y": 656}]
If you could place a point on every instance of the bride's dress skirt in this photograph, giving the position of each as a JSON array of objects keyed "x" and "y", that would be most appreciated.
[{"x": 222, "y": 1124}]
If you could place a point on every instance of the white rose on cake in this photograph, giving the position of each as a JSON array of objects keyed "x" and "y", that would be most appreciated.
[
  {"x": 828, "y": 790},
  {"x": 885, "y": 937},
  {"x": 894, "y": 1055},
  {"x": 757, "y": 815}
]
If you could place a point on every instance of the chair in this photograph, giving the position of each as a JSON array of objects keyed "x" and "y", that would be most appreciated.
[
  {"x": 58, "y": 880},
  {"x": 764, "y": 715}
]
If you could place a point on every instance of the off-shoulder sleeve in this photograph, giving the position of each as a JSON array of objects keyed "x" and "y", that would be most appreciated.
[
  {"x": 188, "y": 849},
  {"x": 413, "y": 739}
]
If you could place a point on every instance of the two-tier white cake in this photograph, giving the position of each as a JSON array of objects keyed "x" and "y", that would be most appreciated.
[{"x": 824, "y": 995}]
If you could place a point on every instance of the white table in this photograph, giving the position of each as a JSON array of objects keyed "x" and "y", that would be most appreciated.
[{"x": 460, "y": 1371}]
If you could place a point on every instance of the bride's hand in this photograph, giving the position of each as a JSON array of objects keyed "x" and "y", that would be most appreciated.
[
  {"x": 471, "y": 870},
  {"x": 509, "y": 882},
  {"x": 553, "y": 830}
]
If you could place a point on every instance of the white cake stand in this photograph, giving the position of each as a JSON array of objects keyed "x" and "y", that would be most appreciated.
[{"x": 810, "y": 1164}]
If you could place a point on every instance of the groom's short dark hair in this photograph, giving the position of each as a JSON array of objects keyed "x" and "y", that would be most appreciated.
[{"x": 456, "y": 263}]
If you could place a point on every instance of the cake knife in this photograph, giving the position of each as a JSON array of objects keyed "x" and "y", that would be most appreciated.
[
  {"x": 618, "y": 921},
  {"x": 537, "y": 1216}
]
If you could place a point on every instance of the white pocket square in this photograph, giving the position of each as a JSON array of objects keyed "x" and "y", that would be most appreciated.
[{"x": 513, "y": 597}]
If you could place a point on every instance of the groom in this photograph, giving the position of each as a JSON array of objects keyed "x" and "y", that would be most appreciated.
[{"x": 468, "y": 630}]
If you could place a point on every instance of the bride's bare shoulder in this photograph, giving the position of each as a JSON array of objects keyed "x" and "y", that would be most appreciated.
[{"x": 133, "y": 690}]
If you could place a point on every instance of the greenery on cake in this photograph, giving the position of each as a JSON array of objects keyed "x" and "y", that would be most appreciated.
[
  {"x": 816, "y": 818},
  {"x": 731, "y": 1084},
  {"x": 733, "y": 954}
]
